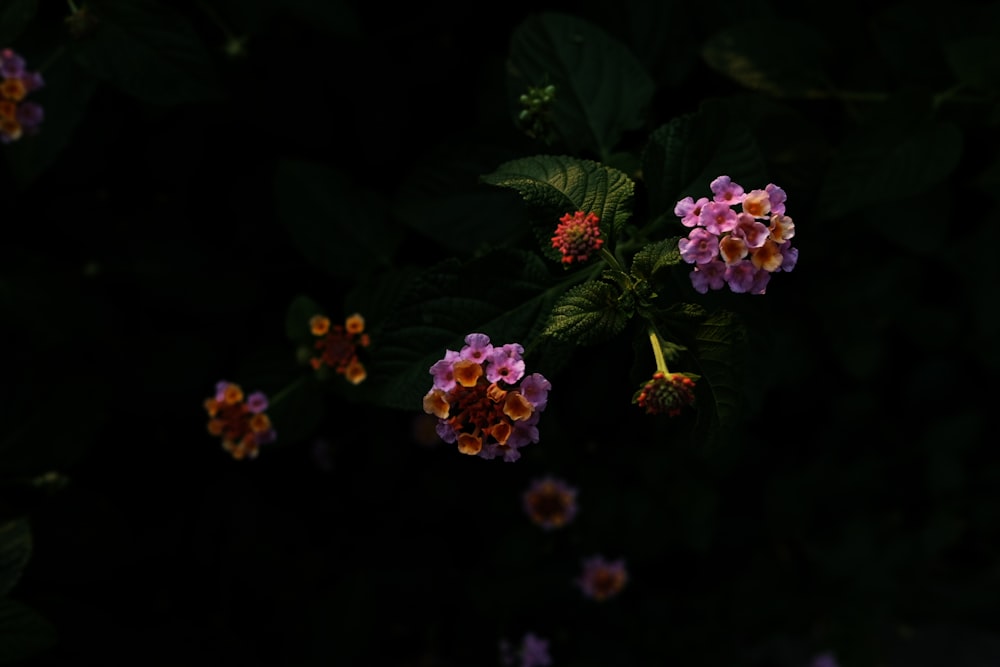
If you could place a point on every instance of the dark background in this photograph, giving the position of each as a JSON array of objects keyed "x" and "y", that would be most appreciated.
[{"x": 858, "y": 513}]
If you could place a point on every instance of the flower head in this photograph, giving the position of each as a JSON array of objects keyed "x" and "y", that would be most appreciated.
[
  {"x": 738, "y": 239},
  {"x": 577, "y": 236},
  {"x": 533, "y": 652},
  {"x": 535, "y": 116},
  {"x": 338, "y": 346},
  {"x": 18, "y": 116},
  {"x": 240, "y": 421},
  {"x": 601, "y": 578},
  {"x": 483, "y": 400},
  {"x": 550, "y": 502},
  {"x": 666, "y": 393},
  {"x": 824, "y": 660}
]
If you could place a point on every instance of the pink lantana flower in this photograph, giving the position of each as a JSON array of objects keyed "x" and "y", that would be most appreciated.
[
  {"x": 739, "y": 248},
  {"x": 484, "y": 401},
  {"x": 577, "y": 236}
]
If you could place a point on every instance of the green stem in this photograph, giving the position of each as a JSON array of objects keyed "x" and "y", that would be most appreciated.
[
  {"x": 654, "y": 340},
  {"x": 281, "y": 395},
  {"x": 611, "y": 259}
]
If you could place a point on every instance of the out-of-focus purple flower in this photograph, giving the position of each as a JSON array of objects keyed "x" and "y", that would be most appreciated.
[
  {"x": 550, "y": 502},
  {"x": 18, "y": 116},
  {"x": 533, "y": 652},
  {"x": 601, "y": 578},
  {"x": 257, "y": 402},
  {"x": 824, "y": 660}
]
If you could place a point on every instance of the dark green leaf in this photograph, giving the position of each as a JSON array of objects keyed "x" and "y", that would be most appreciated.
[
  {"x": 15, "y": 15},
  {"x": 380, "y": 295},
  {"x": 553, "y": 185},
  {"x": 336, "y": 18},
  {"x": 716, "y": 342},
  {"x": 686, "y": 154},
  {"x": 589, "y": 313},
  {"x": 976, "y": 61},
  {"x": 297, "y": 411},
  {"x": 24, "y": 633},
  {"x": 601, "y": 90},
  {"x": 148, "y": 51},
  {"x": 300, "y": 311},
  {"x": 719, "y": 349},
  {"x": 15, "y": 551},
  {"x": 886, "y": 161},
  {"x": 504, "y": 294},
  {"x": 336, "y": 224},
  {"x": 661, "y": 36},
  {"x": 444, "y": 199},
  {"x": 654, "y": 257},
  {"x": 792, "y": 69},
  {"x": 34, "y": 442}
]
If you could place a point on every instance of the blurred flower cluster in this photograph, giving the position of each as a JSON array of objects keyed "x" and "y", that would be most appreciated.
[{"x": 18, "y": 115}]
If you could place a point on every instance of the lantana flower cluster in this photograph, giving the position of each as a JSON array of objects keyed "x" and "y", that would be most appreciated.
[
  {"x": 577, "y": 236},
  {"x": 533, "y": 652},
  {"x": 241, "y": 421},
  {"x": 483, "y": 400},
  {"x": 550, "y": 502},
  {"x": 18, "y": 116},
  {"x": 602, "y": 578},
  {"x": 666, "y": 393},
  {"x": 338, "y": 346},
  {"x": 738, "y": 238}
]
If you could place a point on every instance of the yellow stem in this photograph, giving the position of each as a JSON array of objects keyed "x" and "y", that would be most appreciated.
[{"x": 661, "y": 362}]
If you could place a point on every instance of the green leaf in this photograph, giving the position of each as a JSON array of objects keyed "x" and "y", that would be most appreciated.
[
  {"x": 976, "y": 61},
  {"x": 589, "y": 313},
  {"x": 297, "y": 411},
  {"x": 24, "y": 633},
  {"x": 147, "y": 50},
  {"x": 337, "y": 225},
  {"x": 15, "y": 551},
  {"x": 35, "y": 442},
  {"x": 743, "y": 53},
  {"x": 887, "y": 160},
  {"x": 556, "y": 184},
  {"x": 65, "y": 98},
  {"x": 336, "y": 18},
  {"x": 15, "y": 15},
  {"x": 647, "y": 265},
  {"x": 601, "y": 89},
  {"x": 655, "y": 257},
  {"x": 504, "y": 294},
  {"x": 684, "y": 155},
  {"x": 444, "y": 199},
  {"x": 717, "y": 346}
]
